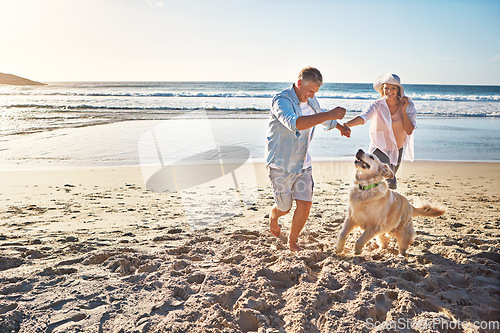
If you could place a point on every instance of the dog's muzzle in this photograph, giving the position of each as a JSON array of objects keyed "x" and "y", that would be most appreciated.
[{"x": 359, "y": 160}]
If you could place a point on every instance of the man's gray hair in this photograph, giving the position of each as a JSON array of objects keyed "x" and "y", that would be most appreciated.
[{"x": 311, "y": 74}]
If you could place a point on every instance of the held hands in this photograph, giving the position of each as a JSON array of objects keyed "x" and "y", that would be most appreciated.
[
  {"x": 339, "y": 113},
  {"x": 344, "y": 130}
]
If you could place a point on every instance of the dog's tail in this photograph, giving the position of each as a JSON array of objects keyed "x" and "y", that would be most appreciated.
[{"x": 429, "y": 210}]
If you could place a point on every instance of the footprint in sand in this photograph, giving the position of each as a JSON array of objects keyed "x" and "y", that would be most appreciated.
[
  {"x": 8, "y": 307},
  {"x": 382, "y": 306},
  {"x": 197, "y": 278},
  {"x": 248, "y": 321}
]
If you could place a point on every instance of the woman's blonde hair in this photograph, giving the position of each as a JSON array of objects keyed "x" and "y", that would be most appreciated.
[{"x": 382, "y": 90}]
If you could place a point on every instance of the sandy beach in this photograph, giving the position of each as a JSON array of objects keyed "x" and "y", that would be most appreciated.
[
  {"x": 134, "y": 195},
  {"x": 92, "y": 250}
]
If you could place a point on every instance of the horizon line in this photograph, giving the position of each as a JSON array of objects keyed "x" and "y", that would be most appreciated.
[{"x": 253, "y": 81}]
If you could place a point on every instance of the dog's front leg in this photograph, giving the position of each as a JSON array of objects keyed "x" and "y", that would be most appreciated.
[
  {"x": 382, "y": 241},
  {"x": 365, "y": 237},
  {"x": 346, "y": 229}
]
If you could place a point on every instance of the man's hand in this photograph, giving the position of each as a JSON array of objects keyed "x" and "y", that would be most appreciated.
[
  {"x": 337, "y": 113},
  {"x": 344, "y": 130}
]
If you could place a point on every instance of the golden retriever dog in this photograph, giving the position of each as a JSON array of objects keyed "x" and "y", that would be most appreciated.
[{"x": 378, "y": 210}]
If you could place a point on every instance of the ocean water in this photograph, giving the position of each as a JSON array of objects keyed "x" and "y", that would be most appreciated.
[
  {"x": 27, "y": 109},
  {"x": 71, "y": 122}
]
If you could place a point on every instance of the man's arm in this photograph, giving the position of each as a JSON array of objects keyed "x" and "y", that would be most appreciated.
[
  {"x": 305, "y": 122},
  {"x": 282, "y": 109}
]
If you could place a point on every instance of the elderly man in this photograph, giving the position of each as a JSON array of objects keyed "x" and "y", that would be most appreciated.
[{"x": 294, "y": 113}]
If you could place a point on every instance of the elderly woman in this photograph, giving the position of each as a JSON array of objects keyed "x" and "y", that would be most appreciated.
[{"x": 393, "y": 122}]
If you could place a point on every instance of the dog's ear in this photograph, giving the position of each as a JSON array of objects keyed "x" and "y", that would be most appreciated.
[{"x": 387, "y": 172}]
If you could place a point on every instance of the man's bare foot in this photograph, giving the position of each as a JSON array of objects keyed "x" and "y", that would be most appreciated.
[
  {"x": 295, "y": 247},
  {"x": 274, "y": 227}
]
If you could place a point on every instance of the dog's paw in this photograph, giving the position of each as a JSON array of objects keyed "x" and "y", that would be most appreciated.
[
  {"x": 340, "y": 246},
  {"x": 357, "y": 251}
]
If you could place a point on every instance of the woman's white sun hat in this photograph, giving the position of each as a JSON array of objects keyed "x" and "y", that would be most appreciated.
[{"x": 388, "y": 78}]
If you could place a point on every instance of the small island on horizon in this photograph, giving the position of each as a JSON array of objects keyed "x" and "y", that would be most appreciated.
[{"x": 17, "y": 80}]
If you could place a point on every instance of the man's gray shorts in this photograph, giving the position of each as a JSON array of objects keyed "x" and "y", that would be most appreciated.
[{"x": 290, "y": 186}]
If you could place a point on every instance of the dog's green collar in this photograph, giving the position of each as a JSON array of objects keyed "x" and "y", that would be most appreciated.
[{"x": 367, "y": 187}]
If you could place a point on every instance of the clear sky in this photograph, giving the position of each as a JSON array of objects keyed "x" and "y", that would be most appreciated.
[{"x": 435, "y": 41}]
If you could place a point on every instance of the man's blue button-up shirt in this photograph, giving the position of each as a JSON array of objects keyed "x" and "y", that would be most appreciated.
[{"x": 286, "y": 145}]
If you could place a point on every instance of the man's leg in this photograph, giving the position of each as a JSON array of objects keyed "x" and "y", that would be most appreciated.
[
  {"x": 281, "y": 183},
  {"x": 273, "y": 220},
  {"x": 299, "y": 219}
]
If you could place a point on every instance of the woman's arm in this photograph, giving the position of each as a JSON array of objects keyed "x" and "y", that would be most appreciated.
[
  {"x": 364, "y": 116},
  {"x": 407, "y": 124},
  {"x": 355, "y": 121}
]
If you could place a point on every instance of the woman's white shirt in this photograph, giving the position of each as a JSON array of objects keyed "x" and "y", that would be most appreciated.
[{"x": 381, "y": 131}]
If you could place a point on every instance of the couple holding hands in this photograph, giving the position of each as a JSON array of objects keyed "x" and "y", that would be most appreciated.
[{"x": 295, "y": 112}]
